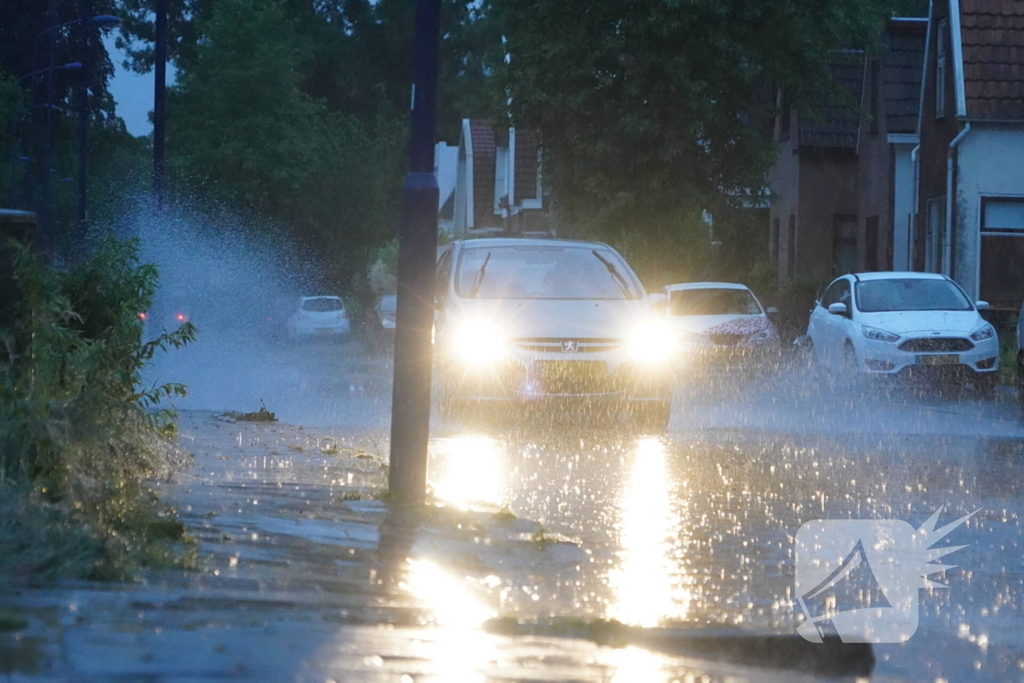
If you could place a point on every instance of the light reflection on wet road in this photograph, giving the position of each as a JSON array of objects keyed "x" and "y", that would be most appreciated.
[{"x": 696, "y": 528}]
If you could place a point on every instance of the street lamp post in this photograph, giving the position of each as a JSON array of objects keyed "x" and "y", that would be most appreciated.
[
  {"x": 159, "y": 98},
  {"x": 417, "y": 254},
  {"x": 98, "y": 20}
]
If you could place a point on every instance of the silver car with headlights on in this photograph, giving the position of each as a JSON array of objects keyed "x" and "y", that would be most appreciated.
[{"x": 557, "y": 324}]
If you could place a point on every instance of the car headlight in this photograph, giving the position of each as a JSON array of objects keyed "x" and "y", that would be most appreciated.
[
  {"x": 984, "y": 333},
  {"x": 651, "y": 342},
  {"x": 876, "y": 334},
  {"x": 478, "y": 342}
]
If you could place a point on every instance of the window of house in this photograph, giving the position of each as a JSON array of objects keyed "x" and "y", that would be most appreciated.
[
  {"x": 871, "y": 244},
  {"x": 775, "y": 242},
  {"x": 875, "y": 94},
  {"x": 1002, "y": 252},
  {"x": 935, "y": 235},
  {"x": 791, "y": 248},
  {"x": 940, "y": 70},
  {"x": 844, "y": 244}
]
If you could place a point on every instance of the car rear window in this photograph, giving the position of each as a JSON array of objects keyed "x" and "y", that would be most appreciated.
[
  {"x": 322, "y": 305},
  {"x": 388, "y": 304}
]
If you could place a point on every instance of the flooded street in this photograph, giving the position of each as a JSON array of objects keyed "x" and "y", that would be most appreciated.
[{"x": 547, "y": 530}]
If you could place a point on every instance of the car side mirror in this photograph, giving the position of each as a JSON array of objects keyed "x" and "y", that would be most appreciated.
[
  {"x": 838, "y": 309},
  {"x": 981, "y": 305}
]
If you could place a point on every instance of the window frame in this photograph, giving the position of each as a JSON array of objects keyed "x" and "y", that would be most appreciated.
[{"x": 941, "y": 49}]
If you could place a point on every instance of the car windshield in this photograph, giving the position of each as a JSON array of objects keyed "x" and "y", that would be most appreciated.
[
  {"x": 907, "y": 294},
  {"x": 713, "y": 302},
  {"x": 544, "y": 272},
  {"x": 322, "y": 304}
]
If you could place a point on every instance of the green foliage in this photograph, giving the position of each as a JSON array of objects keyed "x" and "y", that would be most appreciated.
[
  {"x": 655, "y": 110},
  {"x": 78, "y": 431}
]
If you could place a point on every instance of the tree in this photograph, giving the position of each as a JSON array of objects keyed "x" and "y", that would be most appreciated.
[{"x": 654, "y": 110}]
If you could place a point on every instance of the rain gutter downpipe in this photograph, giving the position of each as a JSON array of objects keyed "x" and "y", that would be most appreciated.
[
  {"x": 913, "y": 236},
  {"x": 947, "y": 247}
]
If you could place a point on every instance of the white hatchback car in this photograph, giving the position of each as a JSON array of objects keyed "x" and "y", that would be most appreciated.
[
  {"x": 319, "y": 316},
  {"x": 549, "y": 323},
  {"x": 720, "y": 325},
  {"x": 904, "y": 324}
]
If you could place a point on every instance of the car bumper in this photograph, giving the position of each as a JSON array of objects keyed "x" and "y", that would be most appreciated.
[
  {"x": 885, "y": 358},
  {"x": 341, "y": 328},
  {"x": 537, "y": 380},
  {"x": 712, "y": 359}
]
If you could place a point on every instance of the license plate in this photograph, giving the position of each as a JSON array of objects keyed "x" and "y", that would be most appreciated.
[
  {"x": 583, "y": 369},
  {"x": 944, "y": 359}
]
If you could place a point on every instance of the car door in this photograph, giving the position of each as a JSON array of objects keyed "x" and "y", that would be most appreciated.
[
  {"x": 837, "y": 326},
  {"x": 818, "y": 327}
]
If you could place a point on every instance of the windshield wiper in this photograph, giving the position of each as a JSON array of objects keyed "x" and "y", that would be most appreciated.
[
  {"x": 479, "y": 277},
  {"x": 616, "y": 275}
]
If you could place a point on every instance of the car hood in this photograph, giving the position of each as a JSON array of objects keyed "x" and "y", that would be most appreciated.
[
  {"x": 907, "y": 322},
  {"x": 718, "y": 323},
  {"x": 556, "y": 318}
]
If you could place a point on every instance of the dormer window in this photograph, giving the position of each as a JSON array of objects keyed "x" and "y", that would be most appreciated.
[{"x": 940, "y": 70}]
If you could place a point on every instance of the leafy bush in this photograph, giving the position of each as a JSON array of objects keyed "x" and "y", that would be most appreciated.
[{"x": 78, "y": 436}]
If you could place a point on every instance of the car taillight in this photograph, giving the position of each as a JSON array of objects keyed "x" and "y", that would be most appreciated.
[
  {"x": 181, "y": 317},
  {"x": 143, "y": 316}
]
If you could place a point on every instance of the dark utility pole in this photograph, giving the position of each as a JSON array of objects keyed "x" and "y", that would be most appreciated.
[
  {"x": 417, "y": 255},
  {"x": 85, "y": 33},
  {"x": 46, "y": 230},
  {"x": 159, "y": 98}
]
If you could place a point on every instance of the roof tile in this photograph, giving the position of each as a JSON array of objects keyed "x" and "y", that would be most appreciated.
[{"x": 992, "y": 37}]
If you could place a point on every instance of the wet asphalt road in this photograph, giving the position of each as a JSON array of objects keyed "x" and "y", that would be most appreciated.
[{"x": 696, "y": 528}]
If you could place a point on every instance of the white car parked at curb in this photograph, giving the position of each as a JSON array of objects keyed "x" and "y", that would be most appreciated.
[
  {"x": 319, "y": 316},
  {"x": 906, "y": 324}
]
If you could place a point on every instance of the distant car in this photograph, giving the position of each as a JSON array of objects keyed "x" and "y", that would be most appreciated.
[
  {"x": 382, "y": 320},
  {"x": 906, "y": 324},
  {"x": 720, "y": 325},
  {"x": 557, "y": 324},
  {"x": 319, "y": 316}
]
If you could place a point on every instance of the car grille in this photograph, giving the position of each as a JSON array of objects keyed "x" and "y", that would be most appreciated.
[
  {"x": 726, "y": 339},
  {"x": 936, "y": 345},
  {"x": 554, "y": 344}
]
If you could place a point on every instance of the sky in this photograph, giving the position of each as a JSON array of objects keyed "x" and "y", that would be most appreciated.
[{"x": 132, "y": 92}]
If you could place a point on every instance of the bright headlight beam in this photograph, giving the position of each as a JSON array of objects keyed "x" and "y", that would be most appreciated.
[
  {"x": 652, "y": 341},
  {"x": 478, "y": 342}
]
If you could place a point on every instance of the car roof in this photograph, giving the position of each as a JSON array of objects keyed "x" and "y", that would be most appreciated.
[
  {"x": 898, "y": 275},
  {"x": 494, "y": 242},
  {"x": 706, "y": 285}
]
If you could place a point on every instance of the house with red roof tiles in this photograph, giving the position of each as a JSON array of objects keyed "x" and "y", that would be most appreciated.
[
  {"x": 499, "y": 182},
  {"x": 970, "y": 203}
]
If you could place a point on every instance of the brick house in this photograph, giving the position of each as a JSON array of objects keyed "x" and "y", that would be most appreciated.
[
  {"x": 970, "y": 206},
  {"x": 886, "y": 140},
  {"x": 814, "y": 182},
  {"x": 499, "y": 184}
]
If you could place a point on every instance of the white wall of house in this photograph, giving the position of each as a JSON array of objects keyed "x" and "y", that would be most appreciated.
[
  {"x": 903, "y": 206},
  {"x": 990, "y": 162}
]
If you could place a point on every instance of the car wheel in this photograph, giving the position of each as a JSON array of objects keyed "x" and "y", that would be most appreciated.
[{"x": 850, "y": 366}]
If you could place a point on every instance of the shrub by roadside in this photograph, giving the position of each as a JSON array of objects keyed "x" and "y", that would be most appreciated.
[{"x": 79, "y": 435}]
